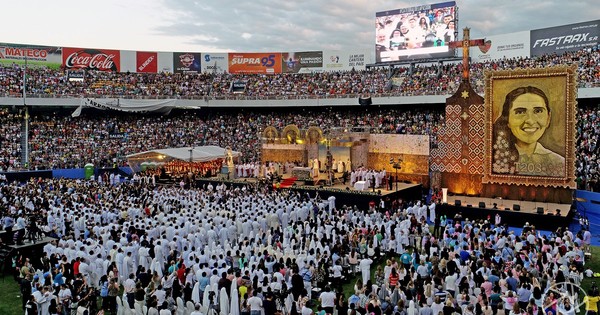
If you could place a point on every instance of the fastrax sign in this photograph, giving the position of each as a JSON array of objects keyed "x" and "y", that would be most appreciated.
[{"x": 565, "y": 38}]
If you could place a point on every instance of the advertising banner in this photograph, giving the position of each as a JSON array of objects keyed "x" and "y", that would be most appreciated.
[
  {"x": 214, "y": 62},
  {"x": 496, "y": 47},
  {"x": 334, "y": 60},
  {"x": 237, "y": 87},
  {"x": 184, "y": 62},
  {"x": 561, "y": 39},
  {"x": 76, "y": 75},
  {"x": 302, "y": 61},
  {"x": 146, "y": 62},
  {"x": 417, "y": 32},
  {"x": 267, "y": 63},
  {"x": 48, "y": 56},
  {"x": 91, "y": 59}
]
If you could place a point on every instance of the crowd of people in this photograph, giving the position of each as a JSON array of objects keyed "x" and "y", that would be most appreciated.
[
  {"x": 58, "y": 140},
  {"x": 401, "y": 81},
  {"x": 252, "y": 250}
]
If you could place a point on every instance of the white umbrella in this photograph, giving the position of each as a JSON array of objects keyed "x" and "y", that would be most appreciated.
[
  {"x": 224, "y": 302},
  {"x": 234, "y": 308}
]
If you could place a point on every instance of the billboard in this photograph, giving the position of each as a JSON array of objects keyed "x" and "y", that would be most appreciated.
[
  {"x": 530, "y": 126},
  {"x": 302, "y": 61},
  {"x": 48, "y": 56},
  {"x": 267, "y": 63},
  {"x": 512, "y": 45},
  {"x": 214, "y": 62},
  {"x": 184, "y": 62},
  {"x": 561, "y": 39},
  {"x": 337, "y": 60},
  {"x": 415, "y": 33},
  {"x": 146, "y": 62},
  {"x": 91, "y": 59}
]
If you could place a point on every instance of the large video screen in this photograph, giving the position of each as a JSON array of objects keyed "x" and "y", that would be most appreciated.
[{"x": 418, "y": 32}]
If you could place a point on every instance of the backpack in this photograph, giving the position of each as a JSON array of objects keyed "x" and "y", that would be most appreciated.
[{"x": 104, "y": 289}]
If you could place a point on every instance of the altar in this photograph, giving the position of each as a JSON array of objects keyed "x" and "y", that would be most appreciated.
[
  {"x": 361, "y": 185},
  {"x": 302, "y": 173}
]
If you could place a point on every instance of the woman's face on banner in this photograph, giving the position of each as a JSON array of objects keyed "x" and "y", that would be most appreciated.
[{"x": 528, "y": 118}]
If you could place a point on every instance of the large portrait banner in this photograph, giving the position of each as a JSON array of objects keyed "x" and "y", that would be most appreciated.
[{"x": 530, "y": 127}]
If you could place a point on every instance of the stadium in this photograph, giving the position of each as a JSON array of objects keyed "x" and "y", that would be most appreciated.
[{"x": 437, "y": 173}]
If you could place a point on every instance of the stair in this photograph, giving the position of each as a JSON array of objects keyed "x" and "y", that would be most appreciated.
[
  {"x": 286, "y": 183},
  {"x": 24, "y": 148}
]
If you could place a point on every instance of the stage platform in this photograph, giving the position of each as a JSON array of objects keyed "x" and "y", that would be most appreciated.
[
  {"x": 345, "y": 194},
  {"x": 27, "y": 243},
  {"x": 540, "y": 214}
]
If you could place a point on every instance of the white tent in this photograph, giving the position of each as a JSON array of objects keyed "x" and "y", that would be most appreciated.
[{"x": 188, "y": 154}]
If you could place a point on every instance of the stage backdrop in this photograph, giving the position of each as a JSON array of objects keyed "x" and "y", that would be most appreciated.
[
  {"x": 457, "y": 160},
  {"x": 283, "y": 153},
  {"x": 413, "y": 150}
]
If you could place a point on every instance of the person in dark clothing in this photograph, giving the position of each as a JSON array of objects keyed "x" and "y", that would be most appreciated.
[
  {"x": 26, "y": 291},
  {"x": 31, "y": 306},
  {"x": 297, "y": 283},
  {"x": 187, "y": 292},
  {"x": 269, "y": 305}
]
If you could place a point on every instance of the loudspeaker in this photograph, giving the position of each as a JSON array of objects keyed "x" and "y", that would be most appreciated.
[
  {"x": 469, "y": 206},
  {"x": 540, "y": 210},
  {"x": 516, "y": 207},
  {"x": 507, "y": 209},
  {"x": 457, "y": 202},
  {"x": 481, "y": 204}
]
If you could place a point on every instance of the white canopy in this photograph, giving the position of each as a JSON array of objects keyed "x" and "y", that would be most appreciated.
[{"x": 189, "y": 154}]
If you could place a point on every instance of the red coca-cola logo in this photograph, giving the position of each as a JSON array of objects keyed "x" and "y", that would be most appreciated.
[{"x": 92, "y": 59}]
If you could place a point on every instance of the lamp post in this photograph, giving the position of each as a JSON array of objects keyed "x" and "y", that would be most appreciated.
[{"x": 396, "y": 164}]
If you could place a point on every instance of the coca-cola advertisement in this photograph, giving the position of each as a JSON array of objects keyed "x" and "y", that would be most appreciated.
[
  {"x": 146, "y": 62},
  {"x": 91, "y": 59}
]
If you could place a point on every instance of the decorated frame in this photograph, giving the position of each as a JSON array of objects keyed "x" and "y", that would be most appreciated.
[{"x": 530, "y": 127}]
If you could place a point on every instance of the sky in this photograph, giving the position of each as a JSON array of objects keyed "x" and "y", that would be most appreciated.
[{"x": 255, "y": 25}]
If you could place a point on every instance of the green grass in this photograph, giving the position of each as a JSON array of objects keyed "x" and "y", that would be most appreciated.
[
  {"x": 10, "y": 296},
  {"x": 593, "y": 264}
]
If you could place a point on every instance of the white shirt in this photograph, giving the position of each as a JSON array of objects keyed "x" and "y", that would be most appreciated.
[
  {"x": 327, "y": 299},
  {"x": 255, "y": 303}
]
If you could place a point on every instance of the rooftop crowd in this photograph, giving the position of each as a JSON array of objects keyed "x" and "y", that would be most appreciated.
[
  {"x": 164, "y": 249},
  {"x": 402, "y": 81}
]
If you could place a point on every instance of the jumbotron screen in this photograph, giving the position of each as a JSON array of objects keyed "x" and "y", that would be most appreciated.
[{"x": 418, "y": 32}]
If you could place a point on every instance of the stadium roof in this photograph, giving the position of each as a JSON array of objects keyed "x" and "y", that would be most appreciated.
[{"x": 193, "y": 154}]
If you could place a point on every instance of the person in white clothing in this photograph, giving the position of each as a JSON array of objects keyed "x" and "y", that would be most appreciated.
[
  {"x": 365, "y": 267},
  {"x": 256, "y": 305}
]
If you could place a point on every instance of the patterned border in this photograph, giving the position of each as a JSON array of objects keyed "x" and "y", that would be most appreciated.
[{"x": 568, "y": 179}]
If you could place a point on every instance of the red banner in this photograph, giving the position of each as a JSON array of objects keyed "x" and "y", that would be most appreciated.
[
  {"x": 92, "y": 59},
  {"x": 146, "y": 62},
  {"x": 269, "y": 63}
]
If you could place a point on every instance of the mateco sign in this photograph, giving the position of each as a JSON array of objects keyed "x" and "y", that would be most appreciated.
[{"x": 565, "y": 38}]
